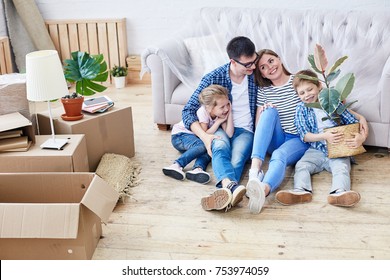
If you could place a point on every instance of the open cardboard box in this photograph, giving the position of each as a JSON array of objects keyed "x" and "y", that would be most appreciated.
[
  {"x": 52, "y": 215},
  {"x": 17, "y": 121}
]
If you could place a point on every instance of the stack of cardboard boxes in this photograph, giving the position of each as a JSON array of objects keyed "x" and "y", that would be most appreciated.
[{"x": 51, "y": 201}]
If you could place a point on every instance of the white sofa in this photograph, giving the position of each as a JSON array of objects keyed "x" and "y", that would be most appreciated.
[{"x": 177, "y": 65}]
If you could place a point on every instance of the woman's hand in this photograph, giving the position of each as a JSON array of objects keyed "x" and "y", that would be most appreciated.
[{"x": 265, "y": 106}]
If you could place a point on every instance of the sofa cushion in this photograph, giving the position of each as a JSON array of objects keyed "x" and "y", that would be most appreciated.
[{"x": 205, "y": 52}]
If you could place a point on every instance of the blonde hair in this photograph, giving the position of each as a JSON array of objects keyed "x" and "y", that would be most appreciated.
[
  {"x": 298, "y": 79},
  {"x": 209, "y": 95}
]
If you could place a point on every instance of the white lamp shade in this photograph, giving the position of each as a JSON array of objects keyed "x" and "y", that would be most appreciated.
[{"x": 45, "y": 79}]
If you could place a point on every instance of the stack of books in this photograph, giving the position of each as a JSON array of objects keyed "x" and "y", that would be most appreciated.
[
  {"x": 14, "y": 141},
  {"x": 97, "y": 105}
]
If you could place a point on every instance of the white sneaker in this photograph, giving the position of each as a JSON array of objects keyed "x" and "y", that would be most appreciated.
[
  {"x": 174, "y": 171},
  {"x": 255, "y": 190},
  {"x": 198, "y": 175},
  {"x": 254, "y": 173}
]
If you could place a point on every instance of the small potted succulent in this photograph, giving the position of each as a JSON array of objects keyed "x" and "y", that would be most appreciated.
[
  {"x": 332, "y": 99},
  {"x": 119, "y": 74},
  {"x": 87, "y": 72}
]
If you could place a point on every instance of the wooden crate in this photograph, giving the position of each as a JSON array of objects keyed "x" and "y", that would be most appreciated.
[
  {"x": 5, "y": 56},
  {"x": 134, "y": 69},
  {"x": 95, "y": 36}
]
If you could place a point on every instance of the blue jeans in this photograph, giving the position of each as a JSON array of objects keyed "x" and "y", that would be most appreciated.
[
  {"x": 191, "y": 148},
  {"x": 230, "y": 154},
  {"x": 315, "y": 161},
  {"x": 285, "y": 148}
]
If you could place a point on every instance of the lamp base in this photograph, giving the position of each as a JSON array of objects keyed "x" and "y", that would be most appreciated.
[{"x": 56, "y": 144}]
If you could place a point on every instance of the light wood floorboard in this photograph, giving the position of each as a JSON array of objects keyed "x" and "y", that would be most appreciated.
[{"x": 163, "y": 219}]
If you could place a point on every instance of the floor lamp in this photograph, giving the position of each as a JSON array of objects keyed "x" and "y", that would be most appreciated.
[{"x": 45, "y": 81}]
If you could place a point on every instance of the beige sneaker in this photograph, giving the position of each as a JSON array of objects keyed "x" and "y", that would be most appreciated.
[
  {"x": 256, "y": 192},
  {"x": 344, "y": 199},
  {"x": 218, "y": 200},
  {"x": 238, "y": 194},
  {"x": 291, "y": 197}
]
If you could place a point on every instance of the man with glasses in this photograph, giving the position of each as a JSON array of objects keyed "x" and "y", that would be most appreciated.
[{"x": 229, "y": 155}]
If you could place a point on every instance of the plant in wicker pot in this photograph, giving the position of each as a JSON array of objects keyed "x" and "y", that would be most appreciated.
[
  {"x": 119, "y": 74},
  {"x": 332, "y": 100},
  {"x": 88, "y": 72}
]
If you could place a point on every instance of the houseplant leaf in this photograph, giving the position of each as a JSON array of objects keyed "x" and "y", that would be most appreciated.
[
  {"x": 333, "y": 75},
  {"x": 313, "y": 64},
  {"x": 314, "y": 105},
  {"x": 320, "y": 59},
  {"x": 345, "y": 85},
  {"x": 329, "y": 99},
  {"x": 337, "y": 63},
  {"x": 84, "y": 69}
]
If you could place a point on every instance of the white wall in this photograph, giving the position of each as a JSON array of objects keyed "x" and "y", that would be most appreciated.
[{"x": 151, "y": 21}]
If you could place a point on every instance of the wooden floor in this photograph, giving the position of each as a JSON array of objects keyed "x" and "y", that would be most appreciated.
[{"x": 163, "y": 220}]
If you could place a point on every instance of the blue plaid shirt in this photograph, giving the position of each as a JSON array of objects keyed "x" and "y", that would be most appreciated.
[
  {"x": 306, "y": 121},
  {"x": 219, "y": 76}
]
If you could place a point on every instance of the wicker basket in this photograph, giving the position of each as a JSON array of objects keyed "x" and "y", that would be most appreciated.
[{"x": 340, "y": 149}]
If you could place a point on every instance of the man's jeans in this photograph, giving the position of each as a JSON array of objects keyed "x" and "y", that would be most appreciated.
[{"x": 231, "y": 154}]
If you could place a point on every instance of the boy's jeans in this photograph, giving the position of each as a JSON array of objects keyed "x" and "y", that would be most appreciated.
[
  {"x": 285, "y": 148},
  {"x": 315, "y": 161},
  {"x": 191, "y": 148},
  {"x": 230, "y": 155}
]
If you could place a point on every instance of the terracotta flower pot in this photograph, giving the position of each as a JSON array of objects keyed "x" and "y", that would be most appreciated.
[{"x": 72, "y": 107}]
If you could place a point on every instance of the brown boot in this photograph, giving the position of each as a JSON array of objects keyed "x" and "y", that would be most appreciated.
[
  {"x": 345, "y": 199},
  {"x": 218, "y": 200},
  {"x": 293, "y": 197}
]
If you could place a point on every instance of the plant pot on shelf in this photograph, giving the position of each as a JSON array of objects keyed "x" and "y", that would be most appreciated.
[
  {"x": 72, "y": 107},
  {"x": 120, "y": 82},
  {"x": 341, "y": 149}
]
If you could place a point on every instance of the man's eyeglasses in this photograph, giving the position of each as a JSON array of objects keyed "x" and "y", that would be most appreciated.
[{"x": 248, "y": 64}]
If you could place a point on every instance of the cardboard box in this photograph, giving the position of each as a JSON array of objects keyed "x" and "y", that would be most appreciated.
[
  {"x": 108, "y": 132},
  {"x": 17, "y": 121},
  {"x": 52, "y": 215},
  {"x": 72, "y": 158}
]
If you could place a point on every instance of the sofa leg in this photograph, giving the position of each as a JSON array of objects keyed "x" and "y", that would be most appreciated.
[{"x": 164, "y": 127}]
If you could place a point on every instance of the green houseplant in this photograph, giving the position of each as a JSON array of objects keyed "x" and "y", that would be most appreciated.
[
  {"x": 332, "y": 99},
  {"x": 119, "y": 74},
  {"x": 87, "y": 72}
]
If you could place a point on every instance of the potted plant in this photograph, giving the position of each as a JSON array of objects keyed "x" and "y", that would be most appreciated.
[
  {"x": 86, "y": 71},
  {"x": 119, "y": 74},
  {"x": 332, "y": 99}
]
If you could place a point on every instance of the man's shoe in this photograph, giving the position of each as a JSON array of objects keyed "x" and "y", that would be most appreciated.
[
  {"x": 198, "y": 175},
  {"x": 174, "y": 171},
  {"x": 256, "y": 193},
  {"x": 238, "y": 192},
  {"x": 218, "y": 200},
  {"x": 293, "y": 197},
  {"x": 345, "y": 199}
]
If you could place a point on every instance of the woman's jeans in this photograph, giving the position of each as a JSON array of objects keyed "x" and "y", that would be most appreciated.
[
  {"x": 191, "y": 148},
  {"x": 315, "y": 161},
  {"x": 231, "y": 154},
  {"x": 285, "y": 148}
]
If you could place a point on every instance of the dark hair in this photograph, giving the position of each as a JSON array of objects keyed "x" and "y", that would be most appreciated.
[
  {"x": 260, "y": 80},
  {"x": 298, "y": 79},
  {"x": 240, "y": 46}
]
